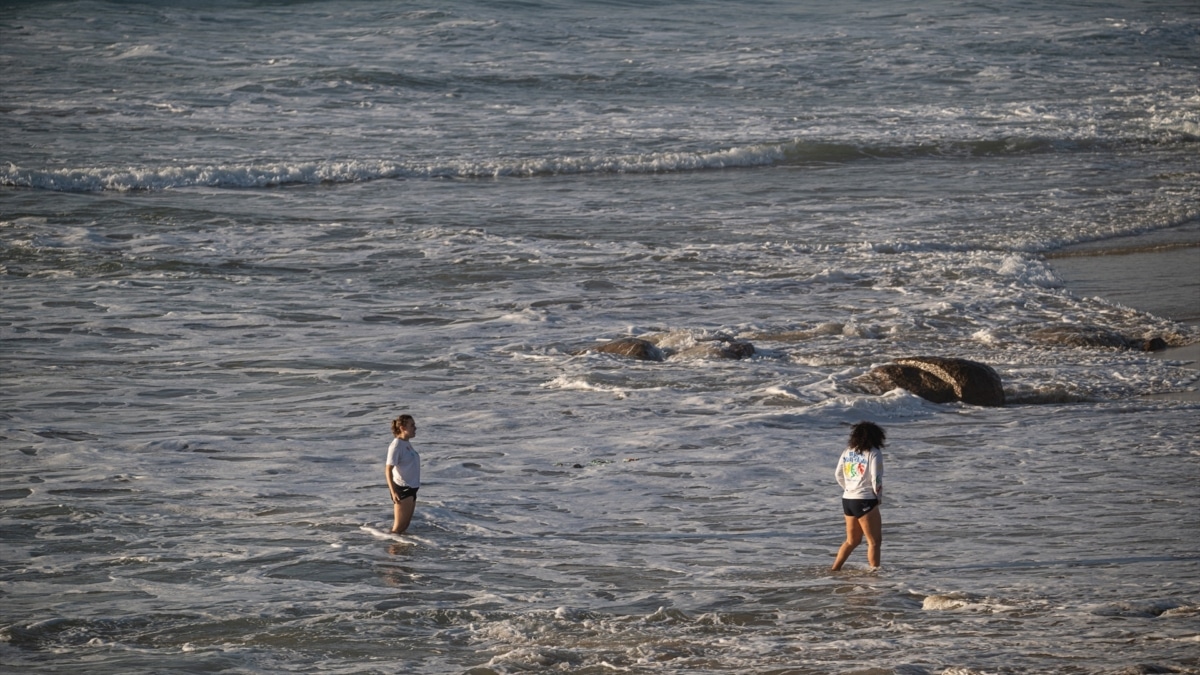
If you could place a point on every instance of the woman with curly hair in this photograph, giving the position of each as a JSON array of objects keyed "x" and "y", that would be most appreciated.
[{"x": 860, "y": 473}]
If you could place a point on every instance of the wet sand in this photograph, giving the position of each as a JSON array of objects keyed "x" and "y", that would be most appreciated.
[
  {"x": 1157, "y": 273},
  {"x": 1191, "y": 355},
  {"x": 1163, "y": 280}
]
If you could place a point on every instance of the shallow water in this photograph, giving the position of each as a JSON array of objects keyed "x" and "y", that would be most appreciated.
[{"x": 237, "y": 241}]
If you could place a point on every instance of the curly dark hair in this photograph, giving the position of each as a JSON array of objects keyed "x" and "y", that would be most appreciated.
[{"x": 867, "y": 436}]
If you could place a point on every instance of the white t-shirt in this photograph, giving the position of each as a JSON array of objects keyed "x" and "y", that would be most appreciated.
[
  {"x": 860, "y": 474},
  {"x": 405, "y": 462}
]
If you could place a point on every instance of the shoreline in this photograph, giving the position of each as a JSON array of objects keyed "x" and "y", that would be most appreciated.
[
  {"x": 1161, "y": 280},
  {"x": 1154, "y": 272}
]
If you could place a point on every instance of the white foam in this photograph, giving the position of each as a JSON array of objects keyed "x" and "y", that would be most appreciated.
[
  {"x": 99, "y": 178},
  {"x": 383, "y": 534}
]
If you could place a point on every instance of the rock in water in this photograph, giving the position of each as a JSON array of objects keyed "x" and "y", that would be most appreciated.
[
  {"x": 911, "y": 378},
  {"x": 634, "y": 348},
  {"x": 1094, "y": 337},
  {"x": 940, "y": 380},
  {"x": 1154, "y": 344},
  {"x": 1080, "y": 336},
  {"x": 718, "y": 349}
]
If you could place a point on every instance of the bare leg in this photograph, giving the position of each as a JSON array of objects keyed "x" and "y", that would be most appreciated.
[
  {"x": 854, "y": 536},
  {"x": 872, "y": 525},
  {"x": 402, "y": 513}
]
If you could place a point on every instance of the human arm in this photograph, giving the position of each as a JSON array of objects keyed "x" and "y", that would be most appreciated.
[
  {"x": 391, "y": 483},
  {"x": 877, "y": 474},
  {"x": 390, "y": 467}
]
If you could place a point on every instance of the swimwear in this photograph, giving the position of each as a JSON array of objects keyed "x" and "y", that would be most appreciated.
[
  {"x": 404, "y": 492},
  {"x": 857, "y": 508}
]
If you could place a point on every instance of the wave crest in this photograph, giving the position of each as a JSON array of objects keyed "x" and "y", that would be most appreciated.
[{"x": 788, "y": 153}]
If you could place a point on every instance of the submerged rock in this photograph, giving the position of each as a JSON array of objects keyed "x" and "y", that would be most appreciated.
[
  {"x": 937, "y": 379},
  {"x": 1154, "y": 344},
  {"x": 1094, "y": 337},
  {"x": 634, "y": 348},
  {"x": 678, "y": 345},
  {"x": 717, "y": 349}
]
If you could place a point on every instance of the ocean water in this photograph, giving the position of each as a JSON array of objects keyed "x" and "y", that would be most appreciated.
[{"x": 237, "y": 239}]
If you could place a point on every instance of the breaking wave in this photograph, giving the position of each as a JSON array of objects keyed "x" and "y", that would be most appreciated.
[{"x": 796, "y": 152}]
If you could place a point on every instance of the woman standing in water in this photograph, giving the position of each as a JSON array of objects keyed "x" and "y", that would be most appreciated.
[
  {"x": 403, "y": 472},
  {"x": 860, "y": 473}
]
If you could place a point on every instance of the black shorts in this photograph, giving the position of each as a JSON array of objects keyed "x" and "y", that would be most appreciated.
[
  {"x": 403, "y": 492},
  {"x": 857, "y": 508}
]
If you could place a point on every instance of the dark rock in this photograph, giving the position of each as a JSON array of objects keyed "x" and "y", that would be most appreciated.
[
  {"x": 738, "y": 349},
  {"x": 940, "y": 380},
  {"x": 717, "y": 349},
  {"x": 634, "y": 348},
  {"x": 1094, "y": 337},
  {"x": 1153, "y": 345},
  {"x": 917, "y": 380}
]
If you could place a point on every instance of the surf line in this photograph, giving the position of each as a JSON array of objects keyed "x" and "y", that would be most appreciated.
[{"x": 379, "y": 533}]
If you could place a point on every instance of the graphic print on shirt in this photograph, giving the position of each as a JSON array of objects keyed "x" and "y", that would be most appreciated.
[{"x": 855, "y": 466}]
